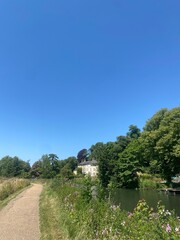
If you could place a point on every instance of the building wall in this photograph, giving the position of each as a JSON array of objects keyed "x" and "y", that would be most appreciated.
[{"x": 88, "y": 169}]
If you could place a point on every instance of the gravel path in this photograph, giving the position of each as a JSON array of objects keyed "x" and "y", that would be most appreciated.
[{"x": 19, "y": 220}]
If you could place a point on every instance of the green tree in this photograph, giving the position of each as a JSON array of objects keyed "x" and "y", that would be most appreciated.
[
  {"x": 72, "y": 163},
  {"x": 134, "y": 132},
  {"x": 66, "y": 172},
  {"x": 122, "y": 142},
  {"x": 36, "y": 169},
  {"x": 160, "y": 145},
  {"x": 13, "y": 166},
  {"x": 128, "y": 165},
  {"x": 82, "y": 155},
  {"x": 167, "y": 146},
  {"x": 154, "y": 122},
  {"x": 54, "y": 162},
  {"x": 106, "y": 156}
]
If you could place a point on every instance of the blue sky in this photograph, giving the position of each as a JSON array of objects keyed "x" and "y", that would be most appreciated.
[{"x": 73, "y": 73}]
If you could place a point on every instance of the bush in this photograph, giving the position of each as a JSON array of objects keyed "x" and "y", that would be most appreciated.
[{"x": 147, "y": 181}]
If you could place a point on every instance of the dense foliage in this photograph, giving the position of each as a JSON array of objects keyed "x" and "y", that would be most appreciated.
[
  {"x": 68, "y": 212},
  {"x": 13, "y": 166},
  {"x": 50, "y": 166},
  {"x": 155, "y": 150}
]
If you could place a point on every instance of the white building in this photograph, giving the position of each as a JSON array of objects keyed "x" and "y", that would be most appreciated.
[{"x": 89, "y": 167}]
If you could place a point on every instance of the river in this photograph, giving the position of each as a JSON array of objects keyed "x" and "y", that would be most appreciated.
[{"x": 128, "y": 199}]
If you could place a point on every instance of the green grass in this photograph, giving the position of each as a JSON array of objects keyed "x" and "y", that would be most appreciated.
[
  {"x": 67, "y": 212},
  {"x": 50, "y": 216}
]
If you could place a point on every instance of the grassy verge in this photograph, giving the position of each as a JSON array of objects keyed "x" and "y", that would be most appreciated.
[
  {"x": 10, "y": 188},
  {"x": 50, "y": 215},
  {"x": 69, "y": 212}
]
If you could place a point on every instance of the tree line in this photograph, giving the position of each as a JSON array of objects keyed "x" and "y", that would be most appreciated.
[
  {"x": 48, "y": 166},
  {"x": 154, "y": 150}
]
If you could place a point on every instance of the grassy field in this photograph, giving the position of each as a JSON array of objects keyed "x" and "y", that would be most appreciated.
[{"x": 68, "y": 211}]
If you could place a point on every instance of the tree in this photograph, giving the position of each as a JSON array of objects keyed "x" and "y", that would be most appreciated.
[
  {"x": 66, "y": 172},
  {"x": 13, "y": 166},
  {"x": 167, "y": 146},
  {"x": 52, "y": 157},
  {"x": 122, "y": 143},
  {"x": 54, "y": 162},
  {"x": 153, "y": 123},
  {"x": 47, "y": 167},
  {"x": 47, "y": 170},
  {"x": 161, "y": 144},
  {"x": 128, "y": 165},
  {"x": 106, "y": 156},
  {"x": 82, "y": 155},
  {"x": 134, "y": 132},
  {"x": 72, "y": 163},
  {"x": 36, "y": 169}
]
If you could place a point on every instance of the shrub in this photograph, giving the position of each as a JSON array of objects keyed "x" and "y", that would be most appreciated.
[{"x": 147, "y": 181}]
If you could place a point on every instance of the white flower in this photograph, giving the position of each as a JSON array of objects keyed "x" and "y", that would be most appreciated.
[
  {"x": 123, "y": 223},
  {"x": 168, "y": 213}
]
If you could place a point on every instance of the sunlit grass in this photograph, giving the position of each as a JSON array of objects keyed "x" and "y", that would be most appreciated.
[
  {"x": 10, "y": 186},
  {"x": 50, "y": 216}
]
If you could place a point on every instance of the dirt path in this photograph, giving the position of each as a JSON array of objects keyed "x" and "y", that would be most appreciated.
[{"x": 19, "y": 220}]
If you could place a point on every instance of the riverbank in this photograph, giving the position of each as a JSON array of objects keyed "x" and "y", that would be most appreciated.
[{"x": 70, "y": 212}]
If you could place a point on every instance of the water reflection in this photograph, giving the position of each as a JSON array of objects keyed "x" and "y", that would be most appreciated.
[{"x": 128, "y": 199}]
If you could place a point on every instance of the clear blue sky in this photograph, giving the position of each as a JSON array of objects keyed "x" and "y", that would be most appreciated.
[{"x": 73, "y": 73}]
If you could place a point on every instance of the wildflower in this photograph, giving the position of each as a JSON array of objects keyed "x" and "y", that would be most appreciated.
[
  {"x": 176, "y": 229},
  {"x": 168, "y": 228},
  {"x": 123, "y": 223},
  {"x": 114, "y": 207},
  {"x": 167, "y": 213},
  {"x": 161, "y": 212}
]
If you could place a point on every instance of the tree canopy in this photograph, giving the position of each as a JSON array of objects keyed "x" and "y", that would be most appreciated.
[
  {"x": 155, "y": 150},
  {"x": 13, "y": 166}
]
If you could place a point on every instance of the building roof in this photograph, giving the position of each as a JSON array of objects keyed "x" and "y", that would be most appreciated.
[{"x": 92, "y": 163}]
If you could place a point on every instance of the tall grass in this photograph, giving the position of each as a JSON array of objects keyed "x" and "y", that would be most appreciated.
[
  {"x": 147, "y": 181},
  {"x": 11, "y": 186},
  {"x": 68, "y": 213},
  {"x": 2, "y": 180}
]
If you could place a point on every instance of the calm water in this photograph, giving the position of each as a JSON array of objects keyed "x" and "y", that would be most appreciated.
[{"x": 128, "y": 199}]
